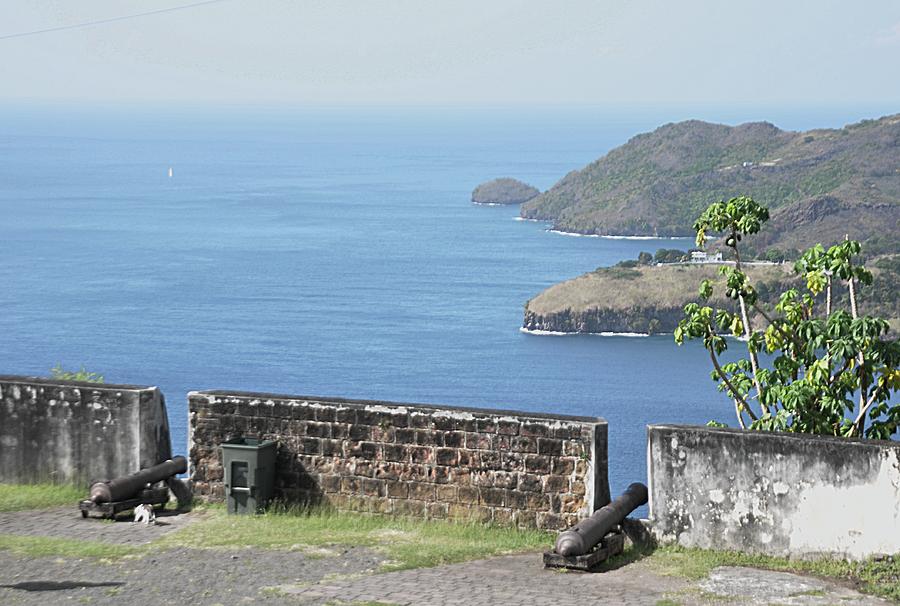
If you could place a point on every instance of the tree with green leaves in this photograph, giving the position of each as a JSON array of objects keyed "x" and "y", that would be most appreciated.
[{"x": 833, "y": 371}]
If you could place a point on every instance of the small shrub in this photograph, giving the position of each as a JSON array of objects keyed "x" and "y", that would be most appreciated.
[
  {"x": 59, "y": 373},
  {"x": 621, "y": 272},
  {"x": 670, "y": 255}
]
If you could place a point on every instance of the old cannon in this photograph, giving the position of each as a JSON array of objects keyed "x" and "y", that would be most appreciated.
[
  {"x": 111, "y": 497},
  {"x": 590, "y": 541}
]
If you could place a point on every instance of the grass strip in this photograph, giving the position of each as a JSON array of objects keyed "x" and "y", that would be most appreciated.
[
  {"x": 20, "y": 497},
  {"x": 406, "y": 543}
]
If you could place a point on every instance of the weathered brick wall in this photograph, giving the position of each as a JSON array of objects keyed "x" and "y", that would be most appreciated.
[
  {"x": 70, "y": 431},
  {"x": 505, "y": 467}
]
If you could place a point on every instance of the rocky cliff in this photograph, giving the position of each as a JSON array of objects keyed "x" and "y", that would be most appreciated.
[{"x": 638, "y": 319}]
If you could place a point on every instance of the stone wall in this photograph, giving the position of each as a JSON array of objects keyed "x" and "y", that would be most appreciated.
[
  {"x": 774, "y": 493},
  {"x": 73, "y": 431},
  {"x": 505, "y": 467}
]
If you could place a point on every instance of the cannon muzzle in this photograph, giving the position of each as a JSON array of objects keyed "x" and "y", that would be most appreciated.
[
  {"x": 582, "y": 537},
  {"x": 127, "y": 486}
]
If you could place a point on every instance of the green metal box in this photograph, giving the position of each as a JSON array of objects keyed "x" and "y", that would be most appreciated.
[{"x": 249, "y": 465}]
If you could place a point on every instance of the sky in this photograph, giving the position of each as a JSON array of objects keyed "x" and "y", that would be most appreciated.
[{"x": 466, "y": 53}]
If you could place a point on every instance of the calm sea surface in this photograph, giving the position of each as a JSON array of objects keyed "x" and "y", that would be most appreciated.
[{"x": 331, "y": 254}]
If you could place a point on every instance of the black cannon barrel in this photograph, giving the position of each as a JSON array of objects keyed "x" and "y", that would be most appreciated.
[
  {"x": 582, "y": 537},
  {"x": 128, "y": 486}
]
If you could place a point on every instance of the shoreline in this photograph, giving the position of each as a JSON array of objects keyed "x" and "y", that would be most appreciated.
[
  {"x": 554, "y": 333},
  {"x": 628, "y": 335},
  {"x": 575, "y": 234}
]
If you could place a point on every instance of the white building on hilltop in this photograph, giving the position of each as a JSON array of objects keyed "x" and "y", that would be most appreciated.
[{"x": 699, "y": 256}]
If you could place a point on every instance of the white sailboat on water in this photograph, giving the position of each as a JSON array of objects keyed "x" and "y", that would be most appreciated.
[{"x": 170, "y": 172}]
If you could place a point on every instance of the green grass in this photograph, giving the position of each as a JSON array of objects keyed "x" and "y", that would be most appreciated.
[
  {"x": 37, "y": 547},
  {"x": 880, "y": 578},
  {"x": 405, "y": 543},
  {"x": 18, "y": 497}
]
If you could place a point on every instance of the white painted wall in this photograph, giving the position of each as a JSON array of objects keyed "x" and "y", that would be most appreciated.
[{"x": 779, "y": 494}]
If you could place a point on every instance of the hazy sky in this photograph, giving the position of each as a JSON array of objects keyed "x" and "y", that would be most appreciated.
[{"x": 465, "y": 52}]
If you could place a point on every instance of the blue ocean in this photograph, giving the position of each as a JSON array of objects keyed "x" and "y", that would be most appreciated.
[{"x": 331, "y": 253}]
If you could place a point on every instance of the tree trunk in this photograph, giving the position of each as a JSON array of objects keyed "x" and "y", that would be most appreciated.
[
  {"x": 745, "y": 318},
  {"x": 754, "y": 362},
  {"x": 861, "y": 364},
  {"x": 735, "y": 394},
  {"x": 740, "y": 417}
]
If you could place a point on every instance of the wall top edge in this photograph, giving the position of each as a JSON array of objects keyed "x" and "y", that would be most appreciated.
[
  {"x": 20, "y": 379},
  {"x": 412, "y": 405},
  {"x": 773, "y": 435}
]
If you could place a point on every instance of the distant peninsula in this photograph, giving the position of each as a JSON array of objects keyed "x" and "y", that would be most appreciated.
[
  {"x": 644, "y": 300},
  {"x": 820, "y": 184},
  {"x": 504, "y": 191},
  {"x": 650, "y": 299}
]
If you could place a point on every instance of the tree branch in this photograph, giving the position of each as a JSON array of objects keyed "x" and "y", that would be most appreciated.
[
  {"x": 859, "y": 423},
  {"x": 754, "y": 362},
  {"x": 734, "y": 392},
  {"x": 843, "y": 369},
  {"x": 748, "y": 329}
]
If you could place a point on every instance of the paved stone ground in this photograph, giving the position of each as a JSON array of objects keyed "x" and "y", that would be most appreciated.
[
  {"x": 516, "y": 580},
  {"x": 198, "y": 577},
  {"x": 502, "y": 581},
  {"x": 203, "y": 577},
  {"x": 67, "y": 523}
]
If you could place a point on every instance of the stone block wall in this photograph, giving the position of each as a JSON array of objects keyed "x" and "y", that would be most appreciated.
[
  {"x": 779, "y": 494},
  {"x": 504, "y": 467},
  {"x": 68, "y": 431}
]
